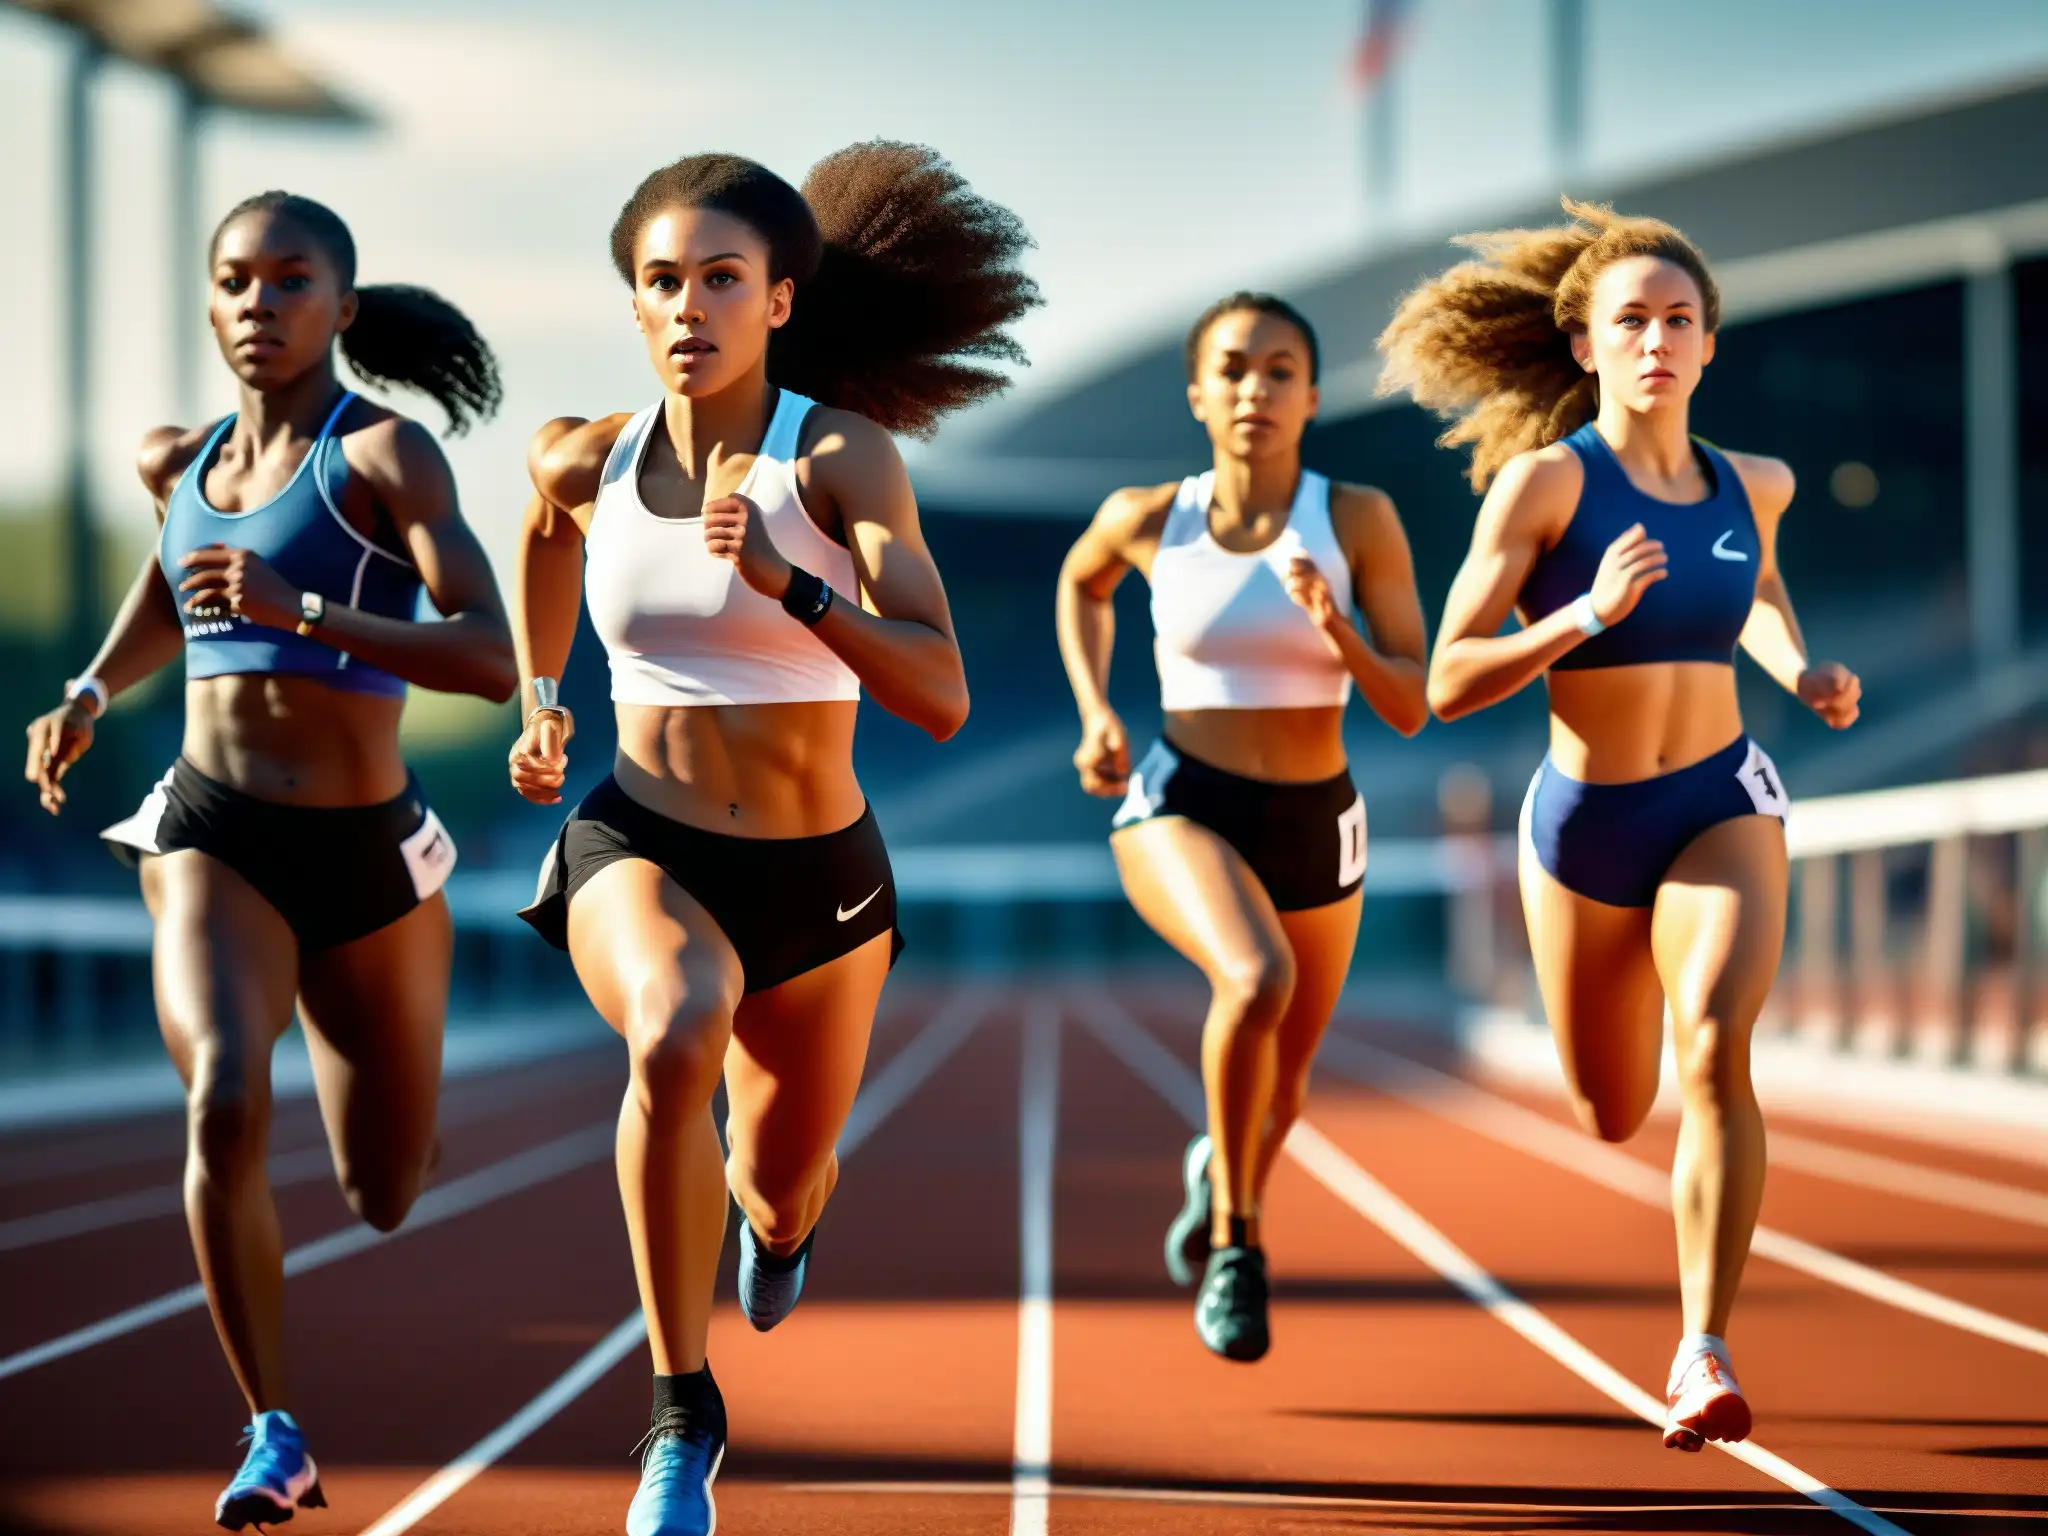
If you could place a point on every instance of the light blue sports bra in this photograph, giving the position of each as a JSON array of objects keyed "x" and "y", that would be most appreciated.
[{"x": 301, "y": 533}]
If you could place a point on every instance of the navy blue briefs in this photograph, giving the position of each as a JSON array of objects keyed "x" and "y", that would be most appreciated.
[{"x": 1614, "y": 843}]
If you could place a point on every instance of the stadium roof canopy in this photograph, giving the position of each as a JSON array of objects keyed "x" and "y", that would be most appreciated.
[
  {"x": 225, "y": 61},
  {"x": 1932, "y": 195}
]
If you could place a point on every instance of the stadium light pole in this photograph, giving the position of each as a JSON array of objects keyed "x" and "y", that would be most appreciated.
[
  {"x": 1991, "y": 455},
  {"x": 75, "y": 151},
  {"x": 187, "y": 262},
  {"x": 1567, "y": 87}
]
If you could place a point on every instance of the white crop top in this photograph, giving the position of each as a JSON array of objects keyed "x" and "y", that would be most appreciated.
[
  {"x": 1227, "y": 634},
  {"x": 679, "y": 624}
]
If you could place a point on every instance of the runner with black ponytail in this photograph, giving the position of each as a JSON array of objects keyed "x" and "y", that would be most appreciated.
[
  {"x": 288, "y": 857},
  {"x": 753, "y": 559}
]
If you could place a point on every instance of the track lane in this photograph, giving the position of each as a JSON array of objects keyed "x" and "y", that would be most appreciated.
[
  {"x": 1876, "y": 1402},
  {"x": 1388, "y": 1392},
  {"x": 897, "y": 1367}
]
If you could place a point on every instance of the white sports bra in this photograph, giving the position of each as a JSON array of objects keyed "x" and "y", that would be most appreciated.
[
  {"x": 1228, "y": 635},
  {"x": 678, "y": 624}
]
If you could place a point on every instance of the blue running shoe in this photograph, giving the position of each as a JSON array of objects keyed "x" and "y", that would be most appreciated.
[
  {"x": 680, "y": 1458},
  {"x": 1187, "y": 1240},
  {"x": 277, "y": 1477},
  {"x": 770, "y": 1283}
]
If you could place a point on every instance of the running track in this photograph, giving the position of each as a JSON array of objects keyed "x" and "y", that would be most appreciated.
[{"x": 1471, "y": 1310}]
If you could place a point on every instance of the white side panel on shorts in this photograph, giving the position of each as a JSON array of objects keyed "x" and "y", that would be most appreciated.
[
  {"x": 140, "y": 830},
  {"x": 1351, "y": 843},
  {"x": 1759, "y": 778},
  {"x": 429, "y": 856},
  {"x": 1147, "y": 790}
]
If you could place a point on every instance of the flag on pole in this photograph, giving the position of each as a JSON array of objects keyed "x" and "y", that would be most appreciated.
[{"x": 1386, "y": 22}]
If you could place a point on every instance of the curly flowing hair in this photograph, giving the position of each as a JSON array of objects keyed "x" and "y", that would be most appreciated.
[
  {"x": 401, "y": 334},
  {"x": 1488, "y": 343},
  {"x": 907, "y": 279}
]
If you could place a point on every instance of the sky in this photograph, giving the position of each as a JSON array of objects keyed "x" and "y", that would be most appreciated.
[{"x": 1160, "y": 151}]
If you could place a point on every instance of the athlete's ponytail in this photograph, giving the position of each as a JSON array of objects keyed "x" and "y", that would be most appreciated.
[
  {"x": 401, "y": 334},
  {"x": 906, "y": 278},
  {"x": 1488, "y": 343}
]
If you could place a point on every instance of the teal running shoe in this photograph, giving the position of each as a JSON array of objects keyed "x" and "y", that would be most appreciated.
[
  {"x": 770, "y": 1283},
  {"x": 1230, "y": 1314},
  {"x": 1187, "y": 1240}
]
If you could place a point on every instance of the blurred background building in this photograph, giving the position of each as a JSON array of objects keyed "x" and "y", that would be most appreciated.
[{"x": 1867, "y": 175}]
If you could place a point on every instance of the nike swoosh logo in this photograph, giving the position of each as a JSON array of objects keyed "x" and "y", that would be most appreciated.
[
  {"x": 854, "y": 911},
  {"x": 1727, "y": 554}
]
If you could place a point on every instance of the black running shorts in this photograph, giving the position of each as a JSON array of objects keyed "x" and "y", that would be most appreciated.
[
  {"x": 334, "y": 873},
  {"x": 1305, "y": 842},
  {"x": 787, "y": 905}
]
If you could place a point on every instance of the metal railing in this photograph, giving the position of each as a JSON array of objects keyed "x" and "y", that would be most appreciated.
[{"x": 1938, "y": 951}]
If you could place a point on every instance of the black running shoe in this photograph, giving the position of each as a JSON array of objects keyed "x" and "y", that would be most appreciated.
[
  {"x": 1230, "y": 1313},
  {"x": 1187, "y": 1240}
]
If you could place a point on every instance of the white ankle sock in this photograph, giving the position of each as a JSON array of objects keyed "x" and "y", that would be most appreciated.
[{"x": 1692, "y": 1346}]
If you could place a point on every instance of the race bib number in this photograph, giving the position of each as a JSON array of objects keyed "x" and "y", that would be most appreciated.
[
  {"x": 1351, "y": 844},
  {"x": 429, "y": 856}
]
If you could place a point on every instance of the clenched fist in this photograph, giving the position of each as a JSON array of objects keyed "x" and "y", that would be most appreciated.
[
  {"x": 540, "y": 757},
  {"x": 733, "y": 531},
  {"x": 1104, "y": 757},
  {"x": 224, "y": 580},
  {"x": 1632, "y": 564},
  {"x": 1833, "y": 692},
  {"x": 1310, "y": 589}
]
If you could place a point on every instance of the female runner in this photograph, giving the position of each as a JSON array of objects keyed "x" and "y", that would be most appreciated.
[
  {"x": 752, "y": 556},
  {"x": 1241, "y": 838},
  {"x": 288, "y": 855},
  {"x": 1637, "y": 557}
]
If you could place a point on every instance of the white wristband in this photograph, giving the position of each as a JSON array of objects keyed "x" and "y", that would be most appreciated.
[
  {"x": 1583, "y": 615},
  {"x": 76, "y": 688},
  {"x": 547, "y": 699}
]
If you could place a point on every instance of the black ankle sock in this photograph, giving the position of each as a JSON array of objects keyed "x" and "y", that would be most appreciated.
[
  {"x": 781, "y": 1263},
  {"x": 687, "y": 1390},
  {"x": 1240, "y": 1232}
]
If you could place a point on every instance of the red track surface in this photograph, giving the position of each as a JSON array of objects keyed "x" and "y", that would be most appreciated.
[{"x": 888, "y": 1403}]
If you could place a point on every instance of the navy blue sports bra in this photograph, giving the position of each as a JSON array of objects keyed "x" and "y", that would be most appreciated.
[
  {"x": 1696, "y": 613},
  {"x": 301, "y": 533}
]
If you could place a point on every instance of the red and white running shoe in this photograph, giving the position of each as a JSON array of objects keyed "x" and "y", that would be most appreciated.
[{"x": 1704, "y": 1402}]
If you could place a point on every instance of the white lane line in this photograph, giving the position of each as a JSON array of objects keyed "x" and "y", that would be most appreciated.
[
  {"x": 1337, "y": 1172},
  {"x": 536, "y": 1165},
  {"x": 1537, "y": 1135},
  {"x": 286, "y": 1169},
  {"x": 882, "y": 1096},
  {"x": 1038, "y": 1130},
  {"x": 1892, "y": 1176}
]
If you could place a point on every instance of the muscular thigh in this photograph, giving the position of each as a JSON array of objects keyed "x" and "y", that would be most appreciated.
[
  {"x": 374, "y": 1011},
  {"x": 1198, "y": 894},
  {"x": 1598, "y": 977},
  {"x": 795, "y": 1061},
  {"x": 647, "y": 952},
  {"x": 225, "y": 965},
  {"x": 1719, "y": 924}
]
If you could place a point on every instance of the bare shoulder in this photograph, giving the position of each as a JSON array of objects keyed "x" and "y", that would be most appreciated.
[
  {"x": 394, "y": 453},
  {"x": 1769, "y": 482},
  {"x": 566, "y": 457},
  {"x": 1534, "y": 494},
  {"x": 841, "y": 444},
  {"x": 166, "y": 453},
  {"x": 1135, "y": 514},
  {"x": 1364, "y": 510}
]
